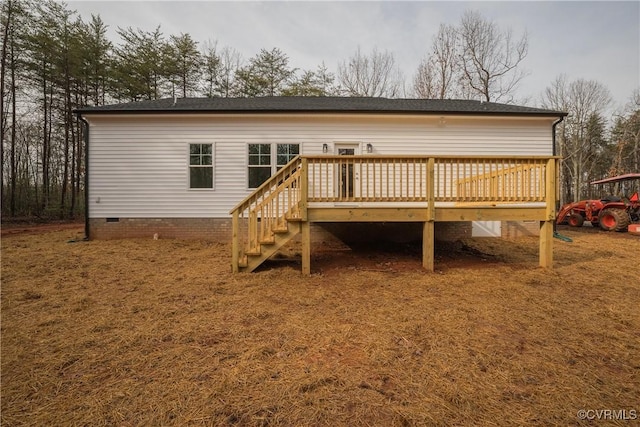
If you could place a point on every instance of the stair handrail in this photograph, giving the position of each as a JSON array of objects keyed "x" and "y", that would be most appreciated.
[
  {"x": 279, "y": 187},
  {"x": 252, "y": 207},
  {"x": 290, "y": 167}
]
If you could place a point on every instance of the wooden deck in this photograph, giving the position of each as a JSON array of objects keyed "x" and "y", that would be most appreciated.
[{"x": 375, "y": 188}]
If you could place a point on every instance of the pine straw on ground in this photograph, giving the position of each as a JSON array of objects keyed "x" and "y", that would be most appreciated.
[{"x": 145, "y": 332}]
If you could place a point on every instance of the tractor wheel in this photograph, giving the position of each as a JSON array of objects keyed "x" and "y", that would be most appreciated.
[
  {"x": 576, "y": 220},
  {"x": 614, "y": 219}
]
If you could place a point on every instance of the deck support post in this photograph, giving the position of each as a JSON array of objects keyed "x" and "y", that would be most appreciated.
[
  {"x": 305, "y": 228},
  {"x": 428, "y": 246},
  {"x": 546, "y": 226},
  {"x": 546, "y": 244},
  {"x": 305, "y": 225},
  {"x": 304, "y": 188},
  {"x": 235, "y": 243},
  {"x": 428, "y": 235}
]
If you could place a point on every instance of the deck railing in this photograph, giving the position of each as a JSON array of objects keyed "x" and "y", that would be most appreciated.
[
  {"x": 367, "y": 178},
  {"x": 407, "y": 179},
  {"x": 495, "y": 180}
]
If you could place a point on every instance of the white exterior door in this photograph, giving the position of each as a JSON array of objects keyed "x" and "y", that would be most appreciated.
[{"x": 347, "y": 180}]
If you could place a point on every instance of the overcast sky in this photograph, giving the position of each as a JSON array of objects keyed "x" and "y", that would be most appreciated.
[{"x": 591, "y": 40}]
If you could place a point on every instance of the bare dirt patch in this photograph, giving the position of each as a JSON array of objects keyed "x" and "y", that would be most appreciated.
[{"x": 145, "y": 332}]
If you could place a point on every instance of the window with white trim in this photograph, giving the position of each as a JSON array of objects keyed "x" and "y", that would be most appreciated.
[
  {"x": 259, "y": 164},
  {"x": 265, "y": 159},
  {"x": 286, "y": 153},
  {"x": 200, "y": 165}
]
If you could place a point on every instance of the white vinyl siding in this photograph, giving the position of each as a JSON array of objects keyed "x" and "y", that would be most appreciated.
[{"x": 137, "y": 166}]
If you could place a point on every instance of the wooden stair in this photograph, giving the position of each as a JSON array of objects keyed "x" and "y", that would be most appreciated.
[
  {"x": 269, "y": 217},
  {"x": 267, "y": 248}
]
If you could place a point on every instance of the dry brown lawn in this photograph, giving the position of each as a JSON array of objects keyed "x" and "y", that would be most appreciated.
[{"x": 146, "y": 332}]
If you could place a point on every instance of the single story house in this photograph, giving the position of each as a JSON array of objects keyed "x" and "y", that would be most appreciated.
[{"x": 259, "y": 171}]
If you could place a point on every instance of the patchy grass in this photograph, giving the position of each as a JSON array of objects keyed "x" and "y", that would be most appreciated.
[{"x": 160, "y": 333}]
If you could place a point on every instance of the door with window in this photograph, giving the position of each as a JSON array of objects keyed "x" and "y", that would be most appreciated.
[{"x": 347, "y": 180}]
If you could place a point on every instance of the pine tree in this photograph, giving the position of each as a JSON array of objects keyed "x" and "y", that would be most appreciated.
[
  {"x": 312, "y": 83},
  {"x": 140, "y": 66},
  {"x": 184, "y": 64},
  {"x": 94, "y": 49},
  {"x": 211, "y": 69},
  {"x": 267, "y": 74}
]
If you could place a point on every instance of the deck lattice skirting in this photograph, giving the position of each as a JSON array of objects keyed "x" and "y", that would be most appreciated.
[{"x": 376, "y": 188}]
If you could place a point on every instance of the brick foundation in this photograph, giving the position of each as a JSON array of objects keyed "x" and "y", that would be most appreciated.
[{"x": 215, "y": 229}]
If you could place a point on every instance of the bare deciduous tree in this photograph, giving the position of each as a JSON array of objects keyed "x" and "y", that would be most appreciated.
[
  {"x": 438, "y": 74},
  {"x": 625, "y": 138},
  {"x": 490, "y": 57},
  {"x": 230, "y": 62},
  {"x": 375, "y": 75},
  {"x": 219, "y": 70},
  {"x": 585, "y": 101}
]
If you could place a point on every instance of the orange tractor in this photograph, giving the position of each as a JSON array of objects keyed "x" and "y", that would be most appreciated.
[{"x": 611, "y": 213}]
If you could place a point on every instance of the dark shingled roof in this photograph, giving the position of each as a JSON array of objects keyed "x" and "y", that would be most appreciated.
[{"x": 302, "y": 104}]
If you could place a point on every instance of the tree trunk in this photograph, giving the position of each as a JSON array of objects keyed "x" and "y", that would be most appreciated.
[
  {"x": 47, "y": 93},
  {"x": 67, "y": 132},
  {"x": 13, "y": 134},
  {"x": 65, "y": 173},
  {"x": 79, "y": 162},
  {"x": 74, "y": 150},
  {"x": 3, "y": 65}
]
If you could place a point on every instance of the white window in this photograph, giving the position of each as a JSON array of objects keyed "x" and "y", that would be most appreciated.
[
  {"x": 286, "y": 153},
  {"x": 265, "y": 159},
  {"x": 259, "y": 164},
  {"x": 200, "y": 165}
]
